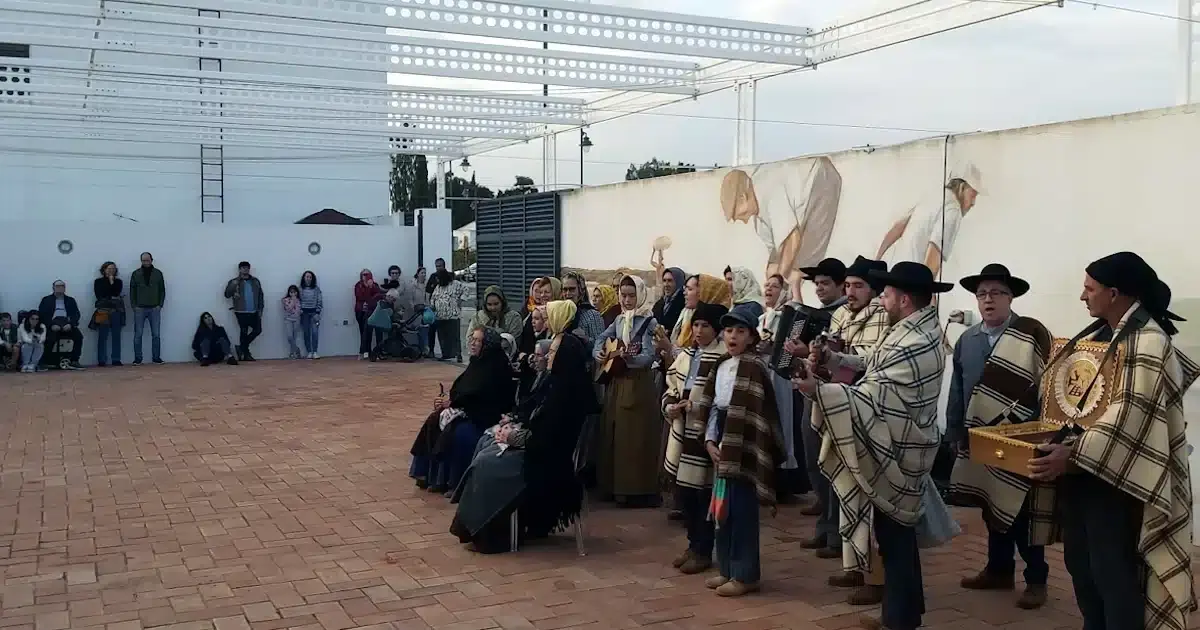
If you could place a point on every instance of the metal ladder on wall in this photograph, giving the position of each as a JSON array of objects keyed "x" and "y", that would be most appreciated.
[{"x": 212, "y": 156}]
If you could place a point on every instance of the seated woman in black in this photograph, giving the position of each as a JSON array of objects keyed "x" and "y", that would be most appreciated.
[
  {"x": 211, "y": 343},
  {"x": 529, "y": 465},
  {"x": 478, "y": 398}
]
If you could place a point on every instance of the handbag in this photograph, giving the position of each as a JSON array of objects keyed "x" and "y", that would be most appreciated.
[
  {"x": 381, "y": 318},
  {"x": 936, "y": 526}
]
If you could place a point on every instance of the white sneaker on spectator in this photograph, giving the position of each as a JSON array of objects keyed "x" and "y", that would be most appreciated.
[
  {"x": 316, "y": 356},
  {"x": 366, "y": 355}
]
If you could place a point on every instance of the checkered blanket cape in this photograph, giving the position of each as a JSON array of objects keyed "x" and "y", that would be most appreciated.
[
  {"x": 861, "y": 330},
  {"x": 686, "y": 461},
  {"x": 1010, "y": 379},
  {"x": 882, "y": 431},
  {"x": 1139, "y": 446}
]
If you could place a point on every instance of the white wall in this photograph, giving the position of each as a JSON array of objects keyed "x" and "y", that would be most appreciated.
[
  {"x": 196, "y": 263},
  {"x": 1053, "y": 198}
]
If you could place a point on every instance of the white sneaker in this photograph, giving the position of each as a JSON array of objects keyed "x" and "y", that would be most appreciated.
[
  {"x": 315, "y": 356},
  {"x": 366, "y": 355}
]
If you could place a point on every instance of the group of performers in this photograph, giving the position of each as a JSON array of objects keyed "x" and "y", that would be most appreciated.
[{"x": 862, "y": 401}]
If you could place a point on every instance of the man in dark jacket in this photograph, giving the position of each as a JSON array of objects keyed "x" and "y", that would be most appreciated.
[
  {"x": 147, "y": 293},
  {"x": 60, "y": 313},
  {"x": 246, "y": 294}
]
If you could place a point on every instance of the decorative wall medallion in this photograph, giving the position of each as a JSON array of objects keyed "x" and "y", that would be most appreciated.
[
  {"x": 314, "y": 248},
  {"x": 65, "y": 247}
]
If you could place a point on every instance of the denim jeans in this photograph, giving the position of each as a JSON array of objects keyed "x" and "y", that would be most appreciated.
[
  {"x": 140, "y": 317},
  {"x": 310, "y": 324},
  {"x": 31, "y": 354},
  {"x": 291, "y": 331},
  {"x": 737, "y": 537},
  {"x": 103, "y": 335}
]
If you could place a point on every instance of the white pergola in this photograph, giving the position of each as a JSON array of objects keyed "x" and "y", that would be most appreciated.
[{"x": 602, "y": 62}]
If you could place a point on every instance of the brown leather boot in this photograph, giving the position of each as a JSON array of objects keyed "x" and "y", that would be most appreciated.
[
  {"x": 865, "y": 595},
  {"x": 986, "y": 581},
  {"x": 828, "y": 553},
  {"x": 816, "y": 542},
  {"x": 813, "y": 509},
  {"x": 870, "y": 623},
  {"x": 847, "y": 579},
  {"x": 696, "y": 564},
  {"x": 1033, "y": 598},
  {"x": 682, "y": 558}
]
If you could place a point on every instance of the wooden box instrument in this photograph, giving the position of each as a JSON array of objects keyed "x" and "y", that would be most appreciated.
[
  {"x": 801, "y": 324},
  {"x": 1076, "y": 391}
]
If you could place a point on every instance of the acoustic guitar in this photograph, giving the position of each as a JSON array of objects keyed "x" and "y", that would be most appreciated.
[{"x": 616, "y": 366}]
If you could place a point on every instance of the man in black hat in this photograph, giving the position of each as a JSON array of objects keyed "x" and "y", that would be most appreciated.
[
  {"x": 858, "y": 324},
  {"x": 890, "y": 413},
  {"x": 827, "y": 278},
  {"x": 997, "y": 368},
  {"x": 1123, "y": 486}
]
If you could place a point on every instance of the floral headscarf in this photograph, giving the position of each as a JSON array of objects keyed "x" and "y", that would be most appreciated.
[{"x": 745, "y": 287}]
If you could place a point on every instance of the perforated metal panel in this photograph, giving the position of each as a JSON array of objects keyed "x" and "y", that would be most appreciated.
[{"x": 517, "y": 240}]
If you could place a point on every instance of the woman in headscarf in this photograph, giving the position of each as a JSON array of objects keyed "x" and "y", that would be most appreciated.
[
  {"x": 605, "y": 297},
  {"x": 530, "y": 466},
  {"x": 746, "y": 292},
  {"x": 698, "y": 289},
  {"x": 495, "y": 314},
  {"x": 775, "y": 297},
  {"x": 630, "y": 446},
  {"x": 542, "y": 291},
  {"x": 588, "y": 324},
  {"x": 477, "y": 399},
  {"x": 670, "y": 304}
]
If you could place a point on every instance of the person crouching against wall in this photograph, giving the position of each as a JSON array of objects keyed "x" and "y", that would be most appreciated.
[{"x": 738, "y": 405}]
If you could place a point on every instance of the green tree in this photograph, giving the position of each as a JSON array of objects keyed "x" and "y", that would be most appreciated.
[
  {"x": 462, "y": 196},
  {"x": 657, "y": 168},
  {"x": 523, "y": 186},
  {"x": 409, "y": 184}
]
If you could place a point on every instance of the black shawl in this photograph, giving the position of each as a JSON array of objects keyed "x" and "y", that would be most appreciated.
[{"x": 484, "y": 392}]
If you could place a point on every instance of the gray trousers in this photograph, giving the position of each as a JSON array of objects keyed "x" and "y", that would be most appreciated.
[{"x": 828, "y": 520}]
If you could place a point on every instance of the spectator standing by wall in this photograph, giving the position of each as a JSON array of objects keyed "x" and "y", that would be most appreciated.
[
  {"x": 367, "y": 294},
  {"x": 109, "y": 317},
  {"x": 421, "y": 278},
  {"x": 62, "y": 313},
  {"x": 147, "y": 294},
  {"x": 311, "y": 304},
  {"x": 408, "y": 294},
  {"x": 447, "y": 305},
  {"x": 245, "y": 291},
  {"x": 291, "y": 320}
]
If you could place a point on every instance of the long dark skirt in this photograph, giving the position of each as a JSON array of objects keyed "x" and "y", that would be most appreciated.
[
  {"x": 491, "y": 489},
  {"x": 441, "y": 457}
]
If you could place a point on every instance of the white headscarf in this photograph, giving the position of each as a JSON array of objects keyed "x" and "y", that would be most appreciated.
[{"x": 641, "y": 308}]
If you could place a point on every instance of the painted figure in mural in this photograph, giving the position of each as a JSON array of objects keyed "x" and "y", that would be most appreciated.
[
  {"x": 930, "y": 239},
  {"x": 794, "y": 213}
]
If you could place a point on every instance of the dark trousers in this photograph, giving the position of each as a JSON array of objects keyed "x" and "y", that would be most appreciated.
[
  {"x": 249, "y": 328},
  {"x": 827, "y": 520},
  {"x": 212, "y": 354},
  {"x": 903, "y": 593},
  {"x": 76, "y": 337},
  {"x": 1000, "y": 551},
  {"x": 365, "y": 331},
  {"x": 693, "y": 502},
  {"x": 448, "y": 331},
  {"x": 737, "y": 537},
  {"x": 1101, "y": 526}
]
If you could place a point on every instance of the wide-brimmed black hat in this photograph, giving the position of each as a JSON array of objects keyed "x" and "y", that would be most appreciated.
[
  {"x": 909, "y": 276},
  {"x": 831, "y": 267},
  {"x": 998, "y": 273},
  {"x": 862, "y": 267}
]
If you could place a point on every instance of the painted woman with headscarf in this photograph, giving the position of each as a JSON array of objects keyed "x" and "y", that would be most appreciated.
[
  {"x": 528, "y": 465},
  {"x": 496, "y": 314},
  {"x": 476, "y": 401},
  {"x": 630, "y": 446},
  {"x": 745, "y": 289}
]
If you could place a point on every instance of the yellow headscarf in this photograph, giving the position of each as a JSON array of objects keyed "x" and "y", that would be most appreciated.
[
  {"x": 608, "y": 298},
  {"x": 713, "y": 290},
  {"x": 559, "y": 315}
]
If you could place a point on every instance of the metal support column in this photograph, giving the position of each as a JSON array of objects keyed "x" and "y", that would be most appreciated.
[
  {"x": 1189, "y": 12},
  {"x": 743, "y": 139},
  {"x": 212, "y": 154},
  {"x": 549, "y": 161}
]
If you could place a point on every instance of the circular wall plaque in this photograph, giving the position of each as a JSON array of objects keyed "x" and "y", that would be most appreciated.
[
  {"x": 65, "y": 247},
  {"x": 314, "y": 248}
]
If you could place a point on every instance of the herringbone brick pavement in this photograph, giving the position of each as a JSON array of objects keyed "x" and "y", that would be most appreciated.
[{"x": 271, "y": 495}]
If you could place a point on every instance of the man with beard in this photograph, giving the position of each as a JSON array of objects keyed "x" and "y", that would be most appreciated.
[
  {"x": 883, "y": 436},
  {"x": 1124, "y": 493},
  {"x": 857, "y": 325},
  {"x": 997, "y": 366}
]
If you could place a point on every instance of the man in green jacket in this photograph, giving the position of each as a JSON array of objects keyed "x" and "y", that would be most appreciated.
[{"x": 147, "y": 292}]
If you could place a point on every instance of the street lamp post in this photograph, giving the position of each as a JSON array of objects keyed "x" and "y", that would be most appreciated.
[{"x": 585, "y": 145}]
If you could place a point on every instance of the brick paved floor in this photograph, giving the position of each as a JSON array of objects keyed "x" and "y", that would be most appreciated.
[{"x": 270, "y": 495}]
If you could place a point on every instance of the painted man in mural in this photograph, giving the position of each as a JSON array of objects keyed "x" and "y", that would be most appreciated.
[
  {"x": 930, "y": 236},
  {"x": 792, "y": 207}
]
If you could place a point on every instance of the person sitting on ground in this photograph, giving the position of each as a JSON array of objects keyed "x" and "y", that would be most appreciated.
[
  {"x": 478, "y": 398},
  {"x": 211, "y": 343},
  {"x": 31, "y": 334},
  {"x": 10, "y": 346},
  {"x": 60, "y": 313},
  {"x": 528, "y": 463}
]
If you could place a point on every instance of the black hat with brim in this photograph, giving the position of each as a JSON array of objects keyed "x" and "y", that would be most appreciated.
[
  {"x": 909, "y": 276},
  {"x": 998, "y": 273},
  {"x": 831, "y": 267},
  {"x": 862, "y": 268}
]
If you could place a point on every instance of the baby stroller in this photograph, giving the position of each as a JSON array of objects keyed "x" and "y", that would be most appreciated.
[{"x": 401, "y": 342}]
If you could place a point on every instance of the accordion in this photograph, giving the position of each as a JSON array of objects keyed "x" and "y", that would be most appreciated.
[{"x": 802, "y": 324}]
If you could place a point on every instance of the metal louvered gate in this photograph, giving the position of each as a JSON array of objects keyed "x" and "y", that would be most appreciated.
[{"x": 517, "y": 240}]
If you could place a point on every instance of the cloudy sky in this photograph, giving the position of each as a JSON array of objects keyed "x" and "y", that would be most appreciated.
[{"x": 1045, "y": 65}]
